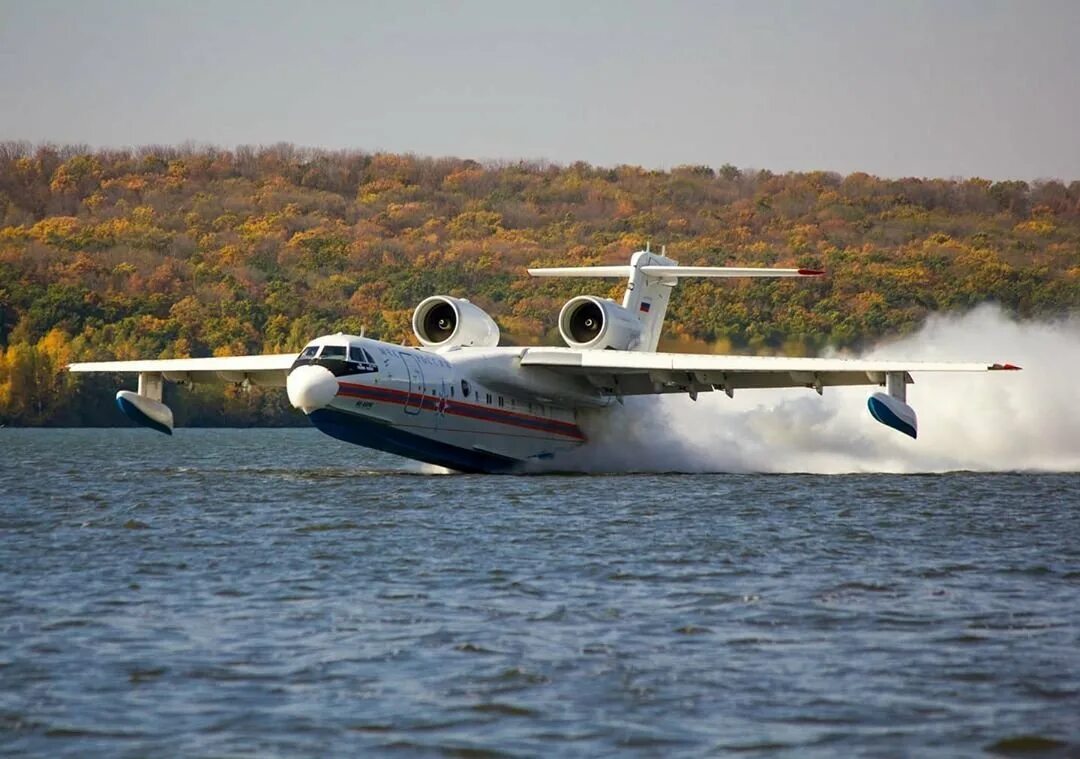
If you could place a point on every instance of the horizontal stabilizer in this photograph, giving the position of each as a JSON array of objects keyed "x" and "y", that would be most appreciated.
[
  {"x": 726, "y": 271},
  {"x": 583, "y": 271},
  {"x": 672, "y": 271}
]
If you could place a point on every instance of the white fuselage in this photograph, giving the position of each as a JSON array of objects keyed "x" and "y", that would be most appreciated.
[{"x": 454, "y": 408}]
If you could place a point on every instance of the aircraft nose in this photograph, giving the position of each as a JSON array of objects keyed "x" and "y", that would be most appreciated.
[{"x": 311, "y": 387}]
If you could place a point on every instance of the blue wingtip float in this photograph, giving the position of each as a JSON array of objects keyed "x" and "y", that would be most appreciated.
[
  {"x": 145, "y": 412},
  {"x": 894, "y": 413}
]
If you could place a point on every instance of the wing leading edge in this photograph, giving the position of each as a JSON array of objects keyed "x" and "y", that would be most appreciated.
[{"x": 269, "y": 369}]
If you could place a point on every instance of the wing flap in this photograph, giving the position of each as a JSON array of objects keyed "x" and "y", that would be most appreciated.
[{"x": 632, "y": 373}]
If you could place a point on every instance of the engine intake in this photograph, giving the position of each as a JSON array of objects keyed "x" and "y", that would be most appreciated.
[
  {"x": 444, "y": 322},
  {"x": 589, "y": 322}
]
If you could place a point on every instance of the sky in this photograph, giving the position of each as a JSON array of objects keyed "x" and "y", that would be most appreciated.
[{"x": 950, "y": 88}]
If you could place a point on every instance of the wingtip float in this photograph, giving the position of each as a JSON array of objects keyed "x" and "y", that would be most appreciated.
[
  {"x": 894, "y": 413},
  {"x": 145, "y": 412}
]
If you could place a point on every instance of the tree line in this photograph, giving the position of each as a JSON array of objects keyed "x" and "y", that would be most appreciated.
[{"x": 174, "y": 251}]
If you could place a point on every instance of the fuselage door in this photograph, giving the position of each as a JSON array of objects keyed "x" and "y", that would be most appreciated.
[{"x": 414, "y": 401}]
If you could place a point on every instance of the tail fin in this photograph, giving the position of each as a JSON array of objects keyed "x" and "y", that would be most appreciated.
[{"x": 650, "y": 280}]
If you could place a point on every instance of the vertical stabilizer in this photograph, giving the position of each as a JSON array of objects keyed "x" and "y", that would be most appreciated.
[{"x": 647, "y": 296}]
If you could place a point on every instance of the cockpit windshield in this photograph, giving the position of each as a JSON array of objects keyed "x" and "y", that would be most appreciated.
[{"x": 341, "y": 360}]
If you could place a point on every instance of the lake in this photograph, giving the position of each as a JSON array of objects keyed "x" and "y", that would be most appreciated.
[{"x": 275, "y": 592}]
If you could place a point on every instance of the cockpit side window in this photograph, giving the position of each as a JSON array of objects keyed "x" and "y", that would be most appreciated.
[
  {"x": 310, "y": 351},
  {"x": 333, "y": 351},
  {"x": 356, "y": 354}
]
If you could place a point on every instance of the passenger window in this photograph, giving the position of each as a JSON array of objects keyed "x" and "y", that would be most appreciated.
[
  {"x": 489, "y": 398},
  {"x": 500, "y": 401},
  {"x": 451, "y": 391}
]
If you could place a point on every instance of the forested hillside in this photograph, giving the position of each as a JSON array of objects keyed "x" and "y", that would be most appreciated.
[{"x": 192, "y": 251}]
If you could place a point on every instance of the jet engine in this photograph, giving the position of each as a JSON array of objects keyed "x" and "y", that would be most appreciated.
[
  {"x": 588, "y": 322},
  {"x": 444, "y": 322}
]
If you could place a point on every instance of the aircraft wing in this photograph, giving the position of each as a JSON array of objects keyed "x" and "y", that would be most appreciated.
[
  {"x": 145, "y": 407},
  {"x": 270, "y": 370},
  {"x": 632, "y": 373}
]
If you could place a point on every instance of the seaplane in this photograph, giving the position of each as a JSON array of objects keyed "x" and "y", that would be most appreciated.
[{"x": 461, "y": 401}]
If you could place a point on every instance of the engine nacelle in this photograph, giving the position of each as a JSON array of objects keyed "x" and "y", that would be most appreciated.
[
  {"x": 588, "y": 322},
  {"x": 444, "y": 322}
]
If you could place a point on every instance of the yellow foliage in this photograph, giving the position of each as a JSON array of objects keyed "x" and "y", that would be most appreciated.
[
  {"x": 14, "y": 234},
  {"x": 228, "y": 255},
  {"x": 1036, "y": 227},
  {"x": 177, "y": 170},
  {"x": 71, "y": 174},
  {"x": 142, "y": 216},
  {"x": 55, "y": 230},
  {"x": 56, "y": 346},
  {"x": 461, "y": 179},
  {"x": 370, "y": 192},
  {"x": 474, "y": 224},
  {"x": 258, "y": 227}
]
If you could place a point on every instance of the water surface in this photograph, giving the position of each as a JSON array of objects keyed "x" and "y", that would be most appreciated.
[{"x": 275, "y": 592}]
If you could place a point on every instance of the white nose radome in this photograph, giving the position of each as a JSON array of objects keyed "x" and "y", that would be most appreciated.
[{"x": 311, "y": 387}]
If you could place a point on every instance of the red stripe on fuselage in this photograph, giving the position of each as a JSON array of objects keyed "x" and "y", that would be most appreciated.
[{"x": 457, "y": 408}]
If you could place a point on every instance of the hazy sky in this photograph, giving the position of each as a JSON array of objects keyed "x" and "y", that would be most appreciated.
[{"x": 946, "y": 88}]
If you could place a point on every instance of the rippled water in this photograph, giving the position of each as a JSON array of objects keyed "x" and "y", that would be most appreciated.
[{"x": 276, "y": 592}]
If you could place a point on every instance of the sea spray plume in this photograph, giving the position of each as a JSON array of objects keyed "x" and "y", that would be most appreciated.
[{"x": 1028, "y": 420}]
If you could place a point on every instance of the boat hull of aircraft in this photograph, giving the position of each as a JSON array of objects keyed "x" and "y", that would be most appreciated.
[{"x": 360, "y": 430}]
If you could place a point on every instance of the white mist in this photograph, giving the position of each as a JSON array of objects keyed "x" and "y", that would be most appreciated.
[{"x": 998, "y": 421}]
